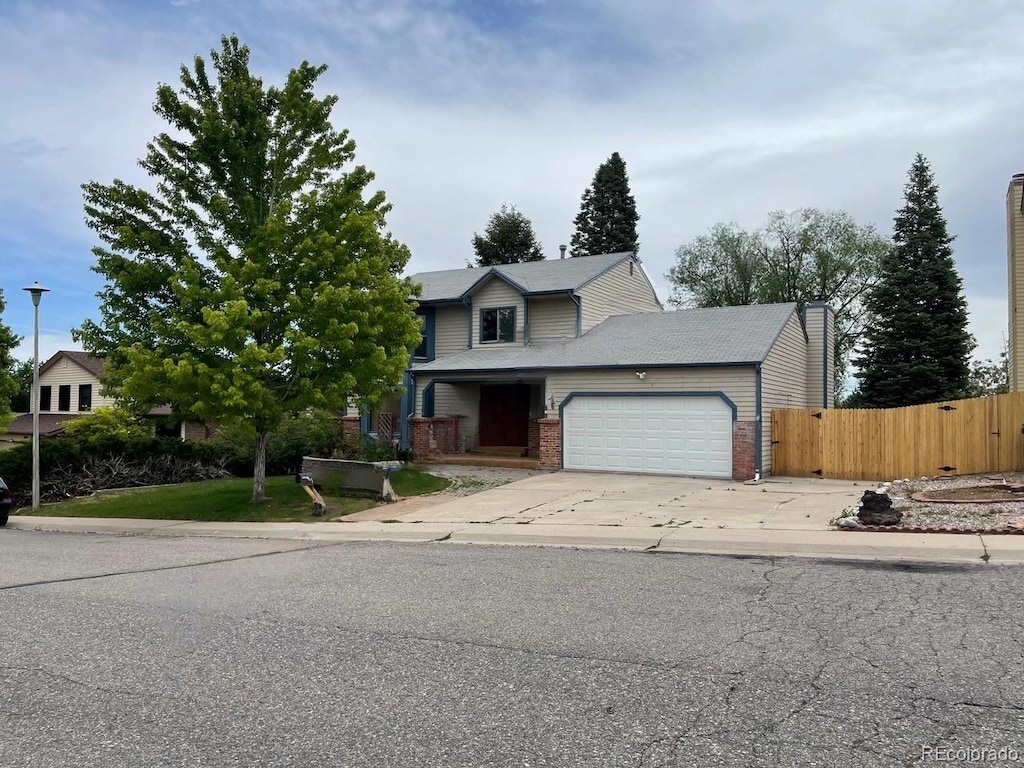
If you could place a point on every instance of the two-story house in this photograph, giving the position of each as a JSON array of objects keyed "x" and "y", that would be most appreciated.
[
  {"x": 576, "y": 362},
  {"x": 70, "y": 384}
]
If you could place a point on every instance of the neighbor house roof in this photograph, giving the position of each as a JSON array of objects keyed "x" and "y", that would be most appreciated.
[
  {"x": 531, "y": 276},
  {"x": 716, "y": 336},
  {"x": 91, "y": 363},
  {"x": 49, "y": 423}
]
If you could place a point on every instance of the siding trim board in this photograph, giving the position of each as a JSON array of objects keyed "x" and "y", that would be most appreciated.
[
  {"x": 758, "y": 420},
  {"x": 633, "y": 366},
  {"x": 824, "y": 357},
  {"x": 651, "y": 393}
]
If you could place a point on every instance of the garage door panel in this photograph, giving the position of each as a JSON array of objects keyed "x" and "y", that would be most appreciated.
[{"x": 662, "y": 434}]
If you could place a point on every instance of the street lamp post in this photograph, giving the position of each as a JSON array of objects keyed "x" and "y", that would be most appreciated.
[{"x": 37, "y": 292}]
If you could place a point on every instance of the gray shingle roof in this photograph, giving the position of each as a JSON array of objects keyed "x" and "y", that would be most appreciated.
[
  {"x": 716, "y": 336},
  {"x": 532, "y": 276},
  {"x": 94, "y": 365}
]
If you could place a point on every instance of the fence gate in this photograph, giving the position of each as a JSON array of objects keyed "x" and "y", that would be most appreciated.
[{"x": 958, "y": 437}]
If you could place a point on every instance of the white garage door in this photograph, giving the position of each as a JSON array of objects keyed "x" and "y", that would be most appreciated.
[{"x": 658, "y": 434}]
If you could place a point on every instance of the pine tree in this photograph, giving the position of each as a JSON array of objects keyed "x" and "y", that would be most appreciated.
[
  {"x": 508, "y": 238},
  {"x": 607, "y": 219},
  {"x": 916, "y": 347}
]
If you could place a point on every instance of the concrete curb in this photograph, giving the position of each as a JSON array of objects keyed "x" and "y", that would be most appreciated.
[{"x": 828, "y": 544}]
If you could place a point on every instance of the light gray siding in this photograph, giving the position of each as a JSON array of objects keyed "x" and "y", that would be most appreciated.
[
  {"x": 552, "y": 318},
  {"x": 820, "y": 324},
  {"x": 784, "y": 381},
  {"x": 451, "y": 330},
  {"x": 617, "y": 292},
  {"x": 458, "y": 400},
  {"x": 736, "y": 382},
  {"x": 497, "y": 293},
  {"x": 65, "y": 371}
]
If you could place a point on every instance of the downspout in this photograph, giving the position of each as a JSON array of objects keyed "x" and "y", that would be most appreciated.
[
  {"x": 757, "y": 421},
  {"x": 469, "y": 314},
  {"x": 579, "y": 312},
  {"x": 526, "y": 320}
]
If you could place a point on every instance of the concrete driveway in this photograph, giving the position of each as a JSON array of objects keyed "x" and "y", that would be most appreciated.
[{"x": 582, "y": 498}]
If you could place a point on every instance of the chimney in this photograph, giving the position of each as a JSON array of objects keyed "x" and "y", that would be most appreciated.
[{"x": 562, "y": 249}]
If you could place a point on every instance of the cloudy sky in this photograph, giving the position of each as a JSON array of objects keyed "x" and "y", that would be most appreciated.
[{"x": 724, "y": 110}]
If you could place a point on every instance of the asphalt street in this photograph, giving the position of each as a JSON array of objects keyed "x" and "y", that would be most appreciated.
[{"x": 134, "y": 651}]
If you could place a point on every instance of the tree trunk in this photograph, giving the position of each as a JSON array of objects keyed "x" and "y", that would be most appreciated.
[{"x": 259, "y": 475}]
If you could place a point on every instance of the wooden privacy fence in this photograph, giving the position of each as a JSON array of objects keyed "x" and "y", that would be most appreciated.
[{"x": 958, "y": 437}]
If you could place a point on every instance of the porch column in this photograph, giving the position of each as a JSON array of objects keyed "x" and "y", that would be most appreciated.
[
  {"x": 550, "y": 438},
  {"x": 421, "y": 428},
  {"x": 350, "y": 427}
]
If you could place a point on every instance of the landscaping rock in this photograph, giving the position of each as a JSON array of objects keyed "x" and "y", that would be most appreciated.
[{"x": 876, "y": 509}]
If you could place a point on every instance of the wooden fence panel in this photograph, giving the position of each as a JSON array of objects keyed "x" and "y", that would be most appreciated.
[
  {"x": 960, "y": 437},
  {"x": 800, "y": 452}
]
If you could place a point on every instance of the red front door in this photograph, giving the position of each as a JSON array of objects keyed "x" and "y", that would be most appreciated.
[{"x": 504, "y": 414}]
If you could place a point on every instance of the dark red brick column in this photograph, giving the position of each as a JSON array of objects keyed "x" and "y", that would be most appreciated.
[
  {"x": 351, "y": 427},
  {"x": 533, "y": 440},
  {"x": 421, "y": 429},
  {"x": 744, "y": 453},
  {"x": 550, "y": 442}
]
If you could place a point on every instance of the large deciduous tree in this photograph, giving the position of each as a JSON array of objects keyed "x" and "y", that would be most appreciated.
[
  {"x": 808, "y": 255},
  {"x": 916, "y": 347},
  {"x": 607, "y": 219},
  {"x": 9, "y": 384},
  {"x": 256, "y": 278},
  {"x": 508, "y": 238}
]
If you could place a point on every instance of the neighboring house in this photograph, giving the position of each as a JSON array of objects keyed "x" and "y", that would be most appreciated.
[
  {"x": 1015, "y": 281},
  {"x": 69, "y": 385},
  {"x": 575, "y": 362}
]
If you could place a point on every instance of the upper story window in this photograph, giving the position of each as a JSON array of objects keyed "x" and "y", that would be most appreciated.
[
  {"x": 64, "y": 397},
  {"x": 421, "y": 348},
  {"x": 45, "y": 398},
  {"x": 85, "y": 397},
  {"x": 498, "y": 324}
]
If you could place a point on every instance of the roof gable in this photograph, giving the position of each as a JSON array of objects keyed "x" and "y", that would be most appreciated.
[
  {"x": 90, "y": 363},
  {"x": 547, "y": 276}
]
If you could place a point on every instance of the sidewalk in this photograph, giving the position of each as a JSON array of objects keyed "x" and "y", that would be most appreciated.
[{"x": 755, "y": 542}]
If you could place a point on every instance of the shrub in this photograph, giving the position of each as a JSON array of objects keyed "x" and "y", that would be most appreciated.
[
  {"x": 107, "y": 422},
  {"x": 74, "y": 466},
  {"x": 311, "y": 433}
]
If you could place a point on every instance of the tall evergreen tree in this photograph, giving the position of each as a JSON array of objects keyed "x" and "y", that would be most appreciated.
[
  {"x": 607, "y": 219},
  {"x": 916, "y": 346},
  {"x": 508, "y": 238}
]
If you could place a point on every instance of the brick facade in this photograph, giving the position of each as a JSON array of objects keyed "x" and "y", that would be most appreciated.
[
  {"x": 549, "y": 439},
  {"x": 744, "y": 453},
  {"x": 434, "y": 435},
  {"x": 197, "y": 430},
  {"x": 351, "y": 426},
  {"x": 533, "y": 440}
]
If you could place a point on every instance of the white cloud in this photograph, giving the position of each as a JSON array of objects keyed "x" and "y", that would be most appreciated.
[
  {"x": 50, "y": 342},
  {"x": 722, "y": 112}
]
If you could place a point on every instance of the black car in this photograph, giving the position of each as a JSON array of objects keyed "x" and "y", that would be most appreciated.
[{"x": 6, "y": 500}]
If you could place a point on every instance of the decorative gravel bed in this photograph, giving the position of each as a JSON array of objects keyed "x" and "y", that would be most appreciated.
[{"x": 1006, "y": 517}]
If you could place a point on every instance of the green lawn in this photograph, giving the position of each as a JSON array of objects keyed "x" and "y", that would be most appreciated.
[{"x": 228, "y": 501}]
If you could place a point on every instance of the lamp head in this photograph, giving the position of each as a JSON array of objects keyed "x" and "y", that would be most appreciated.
[{"x": 37, "y": 292}]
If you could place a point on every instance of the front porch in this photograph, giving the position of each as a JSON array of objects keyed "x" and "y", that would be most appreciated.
[{"x": 497, "y": 422}]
